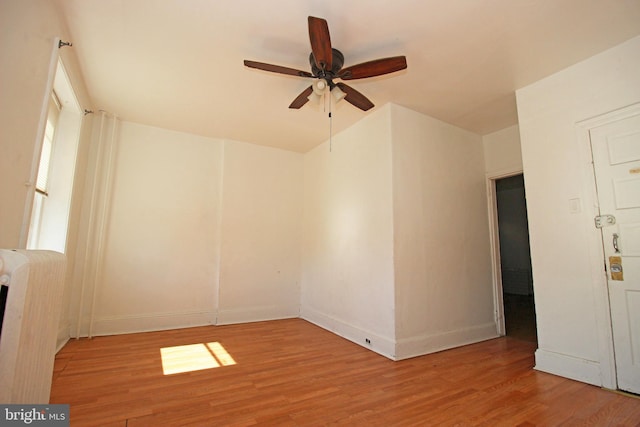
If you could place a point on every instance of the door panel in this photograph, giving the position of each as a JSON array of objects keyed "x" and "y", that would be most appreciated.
[
  {"x": 616, "y": 156},
  {"x": 632, "y": 239},
  {"x": 627, "y": 193},
  {"x": 624, "y": 147}
]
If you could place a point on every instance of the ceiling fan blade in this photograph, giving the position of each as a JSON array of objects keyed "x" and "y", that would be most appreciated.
[
  {"x": 374, "y": 68},
  {"x": 277, "y": 69},
  {"x": 354, "y": 97},
  {"x": 302, "y": 98},
  {"x": 320, "y": 42}
]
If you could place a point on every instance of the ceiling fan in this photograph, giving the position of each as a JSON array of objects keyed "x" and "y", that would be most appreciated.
[{"x": 326, "y": 65}]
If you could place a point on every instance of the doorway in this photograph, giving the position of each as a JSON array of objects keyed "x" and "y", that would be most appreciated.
[{"x": 515, "y": 259}]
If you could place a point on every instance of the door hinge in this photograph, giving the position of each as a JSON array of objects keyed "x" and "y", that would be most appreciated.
[{"x": 604, "y": 220}]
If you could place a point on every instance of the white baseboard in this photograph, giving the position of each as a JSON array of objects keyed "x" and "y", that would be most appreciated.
[
  {"x": 117, "y": 325},
  {"x": 63, "y": 337},
  {"x": 575, "y": 368},
  {"x": 377, "y": 343},
  {"x": 256, "y": 314},
  {"x": 425, "y": 344}
]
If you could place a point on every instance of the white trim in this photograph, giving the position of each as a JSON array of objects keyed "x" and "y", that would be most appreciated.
[
  {"x": 610, "y": 117},
  {"x": 37, "y": 149},
  {"x": 426, "y": 344},
  {"x": 377, "y": 343},
  {"x": 606, "y": 367},
  {"x": 115, "y": 325},
  {"x": 505, "y": 173},
  {"x": 571, "y": 367},
  {"x": 255, "y": 314},
  {"x": 219, "y": 229},
  {"x": 494, "y": 241}
]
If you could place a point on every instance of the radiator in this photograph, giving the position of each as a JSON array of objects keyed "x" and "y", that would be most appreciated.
[{"x": 35, "y": 282}]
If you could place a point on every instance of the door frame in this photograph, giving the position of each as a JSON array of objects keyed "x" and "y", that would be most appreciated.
[
  {"x": 494, "y": 241},
  {"x": 595, "y": 242}
]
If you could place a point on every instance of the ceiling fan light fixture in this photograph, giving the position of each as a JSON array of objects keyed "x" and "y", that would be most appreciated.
[
  {"x": 319, "y": 87},
  {"x": 337, "y": 93},
  {"x": 315, "y": 97}
]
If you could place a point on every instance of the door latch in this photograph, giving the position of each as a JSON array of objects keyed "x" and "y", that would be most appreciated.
[
  {"x": 615, "y": 243},
  {"x": 604, "y": 220}
]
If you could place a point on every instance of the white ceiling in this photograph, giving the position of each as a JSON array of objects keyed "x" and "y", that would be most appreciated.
[{"x": 178, "y": 64}]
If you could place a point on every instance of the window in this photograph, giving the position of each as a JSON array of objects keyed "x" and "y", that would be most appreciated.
[
  {"x": 42, "y": 180},
  {"x": 51, "y": 208}
]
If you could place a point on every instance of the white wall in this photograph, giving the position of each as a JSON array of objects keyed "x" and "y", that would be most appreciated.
[
  {"x": 261, "y": 232},
  {"x": 198, "y": 231},
  {"x": 160, "y": 262},
  {"x": 25, "y": 58},
  {"x": 347, "y": 255},
  {"x": 443, "y": 282},
  {"x": 572, "y": 333},
  {"x": 502, "y": 153}
]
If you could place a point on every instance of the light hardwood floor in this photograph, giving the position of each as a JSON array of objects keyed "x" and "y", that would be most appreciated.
[{"x": 291, "y": 372}]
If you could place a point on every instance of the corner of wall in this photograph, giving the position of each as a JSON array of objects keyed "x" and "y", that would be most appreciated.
[
  {"x": 385, "y": 346},
  {"x": 426, "y": 344}
]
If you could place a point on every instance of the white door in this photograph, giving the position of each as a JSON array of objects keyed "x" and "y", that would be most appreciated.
[{"x": 616, "y": 157}]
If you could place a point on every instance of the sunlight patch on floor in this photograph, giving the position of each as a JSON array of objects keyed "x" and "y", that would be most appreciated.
[{"x": 194, "y": 357}]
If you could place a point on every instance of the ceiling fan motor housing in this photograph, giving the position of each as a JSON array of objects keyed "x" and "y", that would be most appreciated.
[{"x": 336, "y": 65}]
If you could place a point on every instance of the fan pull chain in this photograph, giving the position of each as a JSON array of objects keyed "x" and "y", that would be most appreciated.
[
  {"x": 330, "y": 127},
  {"x": 324, "y": 101},
  {"x": 330, "y": 131}
]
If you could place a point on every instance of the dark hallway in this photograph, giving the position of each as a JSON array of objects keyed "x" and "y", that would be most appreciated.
[{"x": 515, "y": 260}]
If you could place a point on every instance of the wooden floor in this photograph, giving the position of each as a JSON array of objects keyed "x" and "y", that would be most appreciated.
[{"x": 290, "y": 373}]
